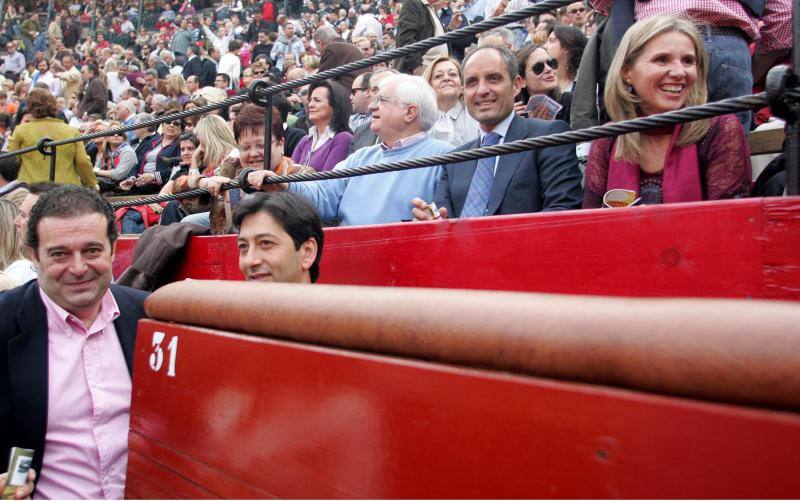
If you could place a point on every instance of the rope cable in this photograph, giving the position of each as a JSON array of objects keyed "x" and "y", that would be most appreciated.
[{"x": 700, "y": 112}]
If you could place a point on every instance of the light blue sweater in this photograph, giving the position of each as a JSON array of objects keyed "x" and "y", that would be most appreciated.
[{"x": 376, "y": 198}]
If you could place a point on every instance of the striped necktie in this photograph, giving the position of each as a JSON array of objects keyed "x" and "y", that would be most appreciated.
[{"x": 481, "y": 185}]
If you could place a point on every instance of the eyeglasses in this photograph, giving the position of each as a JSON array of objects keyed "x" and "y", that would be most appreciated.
[
  {"x": 259, "y": 73},
  {"x": 538, "y": 68},
  {"x": 379, "y": 100},
  {"x": 175, "y": 123},
  {"x": 353, "y": 91},
  {"x": 576, "y": 10}
]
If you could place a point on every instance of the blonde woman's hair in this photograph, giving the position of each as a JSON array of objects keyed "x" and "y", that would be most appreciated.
[
  {"x": 312, "y": 62},
  {"x": 110, "y": 65},
  {"x": 216, "y": 138},
  {"x": 176, "y": 86},
  {"x": 10, "y": 245},
  {"x": 623, "y": 104},
  {"x": 427, "y": 75}
]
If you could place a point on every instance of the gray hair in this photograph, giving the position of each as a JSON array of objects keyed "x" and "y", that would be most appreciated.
[
  {"x": 161, "y": 99},
  {"x": 142, "y": 118},
  {"x": 166, "y": 54},
  {"x": 151, "y": 72},
  {"x": 416, "y": 91},
  {"x": 325, "y": 34},
  {"x": 508, "y": 58},
  {"x": 128, "y": 106},
  {"x": 501, "y": 32}
]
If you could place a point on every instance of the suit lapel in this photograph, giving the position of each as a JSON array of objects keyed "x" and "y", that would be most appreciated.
[
  {"x": 507, "y": 165},
  {"x": 125, "y": 325},
  {"x": 28, "y": 366}
]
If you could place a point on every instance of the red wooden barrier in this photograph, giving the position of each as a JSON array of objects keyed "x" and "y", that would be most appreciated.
[
  {"x": 740, "y": 248},
  {"x": 226, "y": 415}
]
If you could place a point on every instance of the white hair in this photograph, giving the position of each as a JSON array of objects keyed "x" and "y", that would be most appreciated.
[
  {"x": 416, "y": 91},
  {"x": 127, "y": 105},
  {"x": 166, "y": 53}
]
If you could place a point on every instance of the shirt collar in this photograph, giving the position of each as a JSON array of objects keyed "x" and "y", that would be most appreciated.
[
  {"x": 501, "y": 128},
  {"x": 407, "y": 141},
  {"x": 323, "y": 138},
  {"x": 109, "y": 311}
]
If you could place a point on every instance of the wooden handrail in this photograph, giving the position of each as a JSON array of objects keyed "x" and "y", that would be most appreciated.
[
  {"x": 742, "y": 352},
  {"x": 767, "y": 141}
]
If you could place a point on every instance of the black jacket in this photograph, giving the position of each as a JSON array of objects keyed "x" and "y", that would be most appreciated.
[
  {"x": 208, "y": 71},
  {"x": 24, "y": 363},
  {"x": 414, "y": 25},
  {"x": 192, "y": 67}
]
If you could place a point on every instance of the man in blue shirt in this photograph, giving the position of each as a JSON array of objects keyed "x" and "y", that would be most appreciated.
[{"x": 403, "y": 110}]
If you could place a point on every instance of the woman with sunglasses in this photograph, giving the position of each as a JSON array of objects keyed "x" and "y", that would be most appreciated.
[
  {"x": 539, "y": 71},
  {"x": 660, "y": 66},
  {"x": 155, "y": 167},
  {"x": 454, "y": 125},
  {"x": 120, "y": 159},
  {"x": 329, "y": 138}
]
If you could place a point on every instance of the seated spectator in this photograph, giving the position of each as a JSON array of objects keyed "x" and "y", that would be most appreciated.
[
  {"x": 153, "y": 170},
  {"x": 11, "y": 258},
  {"x": 11, "y": 189},
  {"x": 542, "y": 180},
  {"x": 565, "y": 44},
  {"x": 120, "y": 159},
  {"x": 177, "y": 90},
  {"x": 217, "y": 145},
  {"x": 661, "y": 66},
  {"x": 539, "y": 72},
  {"x": 454, "y": 124},
  {"x": 329, "y": 136},
  {"x": 280, "y": 238},
  {"x": 402, "y": 113},
  {"x": 72, "y": 163}
]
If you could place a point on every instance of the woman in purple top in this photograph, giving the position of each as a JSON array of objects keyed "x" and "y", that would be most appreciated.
[{"x": 329, "y": 136}]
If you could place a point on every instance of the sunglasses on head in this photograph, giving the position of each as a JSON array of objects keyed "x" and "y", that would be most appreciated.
[{"x": 538, "y": 68}]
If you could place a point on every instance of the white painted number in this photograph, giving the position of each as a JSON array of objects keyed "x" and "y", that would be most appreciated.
[
  {"x": 157, "y": 357},
  {"x": 173, "y": 354}
]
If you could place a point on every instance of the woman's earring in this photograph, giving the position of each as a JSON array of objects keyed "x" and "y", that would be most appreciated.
[{"x": 630, "y": 88}]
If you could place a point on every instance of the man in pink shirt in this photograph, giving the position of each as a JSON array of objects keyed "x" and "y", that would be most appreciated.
[{"x": 66, "y": 352}]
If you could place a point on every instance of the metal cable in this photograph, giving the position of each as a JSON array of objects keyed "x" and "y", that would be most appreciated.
[
  {"x": 540, "y": 7},
  {"x": 700, "y": 112}
]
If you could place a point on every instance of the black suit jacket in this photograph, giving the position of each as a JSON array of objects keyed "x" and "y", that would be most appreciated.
[
  {"x": 24, "y": 359},
  {"x": 546, "y": 179},
  {"x": 414, "y": 25},
  {"x": 208, "y": 71},
  {"x": 192, "y": 67}
]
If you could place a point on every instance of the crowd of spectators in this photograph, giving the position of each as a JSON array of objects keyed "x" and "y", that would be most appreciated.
[{"x": 61, "y": 78}]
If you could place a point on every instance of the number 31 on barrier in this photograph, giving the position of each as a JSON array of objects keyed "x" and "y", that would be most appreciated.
[{"x": 157, "y": 357}]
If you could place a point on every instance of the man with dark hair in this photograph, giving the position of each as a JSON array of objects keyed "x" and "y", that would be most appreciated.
[
  {"x": 262, "y": 47},
  {"x": 222, "y": 81},
  {"x": 11, "y": 189},
  {"x": 542, "y": 180},
  {"x": 67, "y": 374},
  {"x": 280, "y": 238},
  {"x": 94, "y": 98},
  {"x": 230, "y": 64}
]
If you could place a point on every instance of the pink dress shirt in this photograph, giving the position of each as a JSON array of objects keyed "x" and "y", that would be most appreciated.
[{"x": 88, "y": 407}]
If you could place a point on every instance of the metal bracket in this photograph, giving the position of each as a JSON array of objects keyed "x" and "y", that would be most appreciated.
[
  {"x": 258, "y": 97},
  {"x": 783, "y": 92},
  {"x": 48, "y": 151}
]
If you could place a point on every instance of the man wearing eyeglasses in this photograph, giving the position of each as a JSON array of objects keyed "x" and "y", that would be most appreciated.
[
  {"x": 360, "y": 99},
  {"x": 402, "y": 113},
  {"x": 541, "y": 180}
]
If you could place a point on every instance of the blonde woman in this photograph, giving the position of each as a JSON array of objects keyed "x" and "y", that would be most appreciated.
[
  {"x": 120, "y": 158},
  {"x": 176, "y": 89},
  {"x": 454, "y": 124},
  {"x": 310, "y": 63},
  {"x": 14, "y": 268},
  {"x": 661, "y": 66},
  {"x": 217, "y": 145}
]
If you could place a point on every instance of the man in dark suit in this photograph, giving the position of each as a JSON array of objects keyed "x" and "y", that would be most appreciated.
[
  {"x": 193, "y": 63},
  {"x": 66, "y": 351},
  {"x": 546, "y": 179},
  {"x": 335, "y": 52},
  {"x": 418, "y": 21}
]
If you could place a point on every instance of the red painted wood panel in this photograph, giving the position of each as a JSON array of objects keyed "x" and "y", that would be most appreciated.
[
  {"x": 255, "y": 417},
  {"x": 739, "y": 248}
]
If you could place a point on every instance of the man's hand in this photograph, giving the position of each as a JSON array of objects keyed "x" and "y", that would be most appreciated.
[
  {"x": 501, "y": 8},
  {"x": 256, "y": 180},
  {"x": 23, "y": 492},
  {"x": 421, "y": 213}
]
